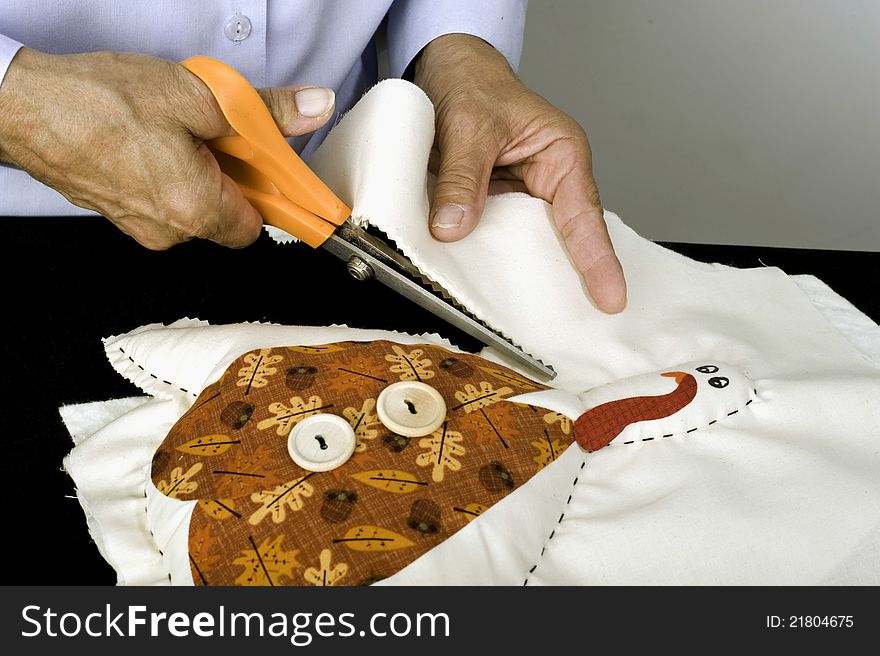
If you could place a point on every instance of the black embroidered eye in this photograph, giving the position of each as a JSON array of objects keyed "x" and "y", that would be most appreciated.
[
  {"x": 719, "y": 382},
  {"x": 707, "y": 369}
]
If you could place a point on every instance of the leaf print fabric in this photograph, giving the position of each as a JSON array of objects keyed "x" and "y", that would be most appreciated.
[
  {"x": 364, "y": 422},
  {"x": 444, "y": 446},
  {"x": 472, "y": 510},
  {"x": 410, "y": 365},
  {"x": 321, "y": 348},
  {"x": 287, "y": 416},
  {"x": 358, "y": 372},
  {"x": 564, "y": 422},
  {"x": 276, "y": 502},
  {"x": 243, "y": 472},
  {"x": 263, "y": 520},
  {"x": 390, "y": 480},
  {"x": 219, "y": 508},
  {"x": 268, "y": 564},
  {"x": 512, "y": 378},
  {"x": 208, "y": 445},
  {"x": 472, "y": 398},
  {"x": 549, "y": 449},
  {"x": 258, "y": 367},
  {"x": 373, "y": 538},
  {"x": 180, "y": 482},
  {"x": 494, "y": 423},
  {"x": 326, "y": 573},
  {"x": 203, "y": 549}
]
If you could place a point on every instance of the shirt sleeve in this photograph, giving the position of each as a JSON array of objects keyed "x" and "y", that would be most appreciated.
[
  {"x": 412, "y": 24},
  {"x": 8, "y": 48}
]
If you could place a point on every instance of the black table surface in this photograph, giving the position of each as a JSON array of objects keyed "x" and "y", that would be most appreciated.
[{"x": 73, "y": 281}]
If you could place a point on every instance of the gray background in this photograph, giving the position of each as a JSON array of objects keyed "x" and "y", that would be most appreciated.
[{"x": 723, "y": 121}]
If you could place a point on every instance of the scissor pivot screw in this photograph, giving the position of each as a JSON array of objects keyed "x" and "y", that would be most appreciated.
[{"x": 359, "y": 269}]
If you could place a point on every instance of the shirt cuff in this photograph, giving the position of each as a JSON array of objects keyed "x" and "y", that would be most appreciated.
[
  {"x": 412, "y": 24},
  {"x": 8, "y": 49}
]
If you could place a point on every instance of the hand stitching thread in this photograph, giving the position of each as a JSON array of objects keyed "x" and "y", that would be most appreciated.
[
  {"x": 584, "y": 462},
  {"x": 154, "y": 376},
  {"x": 690, "y": 430},
  {"x": 152, "y": 535}
]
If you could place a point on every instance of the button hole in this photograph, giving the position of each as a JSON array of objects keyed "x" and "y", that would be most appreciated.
[
  {"x": 410, "y": 406},
  {"x": 321, "y": 442}
]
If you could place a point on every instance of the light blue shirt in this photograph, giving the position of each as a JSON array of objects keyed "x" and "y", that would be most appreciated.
[{"x": 330, "y": 43}]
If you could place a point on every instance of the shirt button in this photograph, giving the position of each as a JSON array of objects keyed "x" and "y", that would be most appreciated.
[
  {"x": 238, "y": 28},
  {"x": 411, "y": 409},
  {"x": 321, "y": 442}
]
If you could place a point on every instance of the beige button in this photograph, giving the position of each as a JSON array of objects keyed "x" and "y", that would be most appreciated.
[
  {"x": 238, "y": 28},
  {"x": 321, "y": 442},
  {"x": 411, "y": 408}
]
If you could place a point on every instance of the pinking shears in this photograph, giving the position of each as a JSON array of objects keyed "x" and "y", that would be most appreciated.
[{"x": 290, "y": 196}]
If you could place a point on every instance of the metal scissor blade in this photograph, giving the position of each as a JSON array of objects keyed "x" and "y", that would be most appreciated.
[{"x": 367, "y": 257}]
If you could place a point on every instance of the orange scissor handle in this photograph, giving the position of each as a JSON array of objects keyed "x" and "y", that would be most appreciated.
[{"x": 270, "y": 174}]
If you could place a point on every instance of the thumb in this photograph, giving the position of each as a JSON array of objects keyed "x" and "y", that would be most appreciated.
[
  {"x": 461, "y": 189},
  {"x": 299, "y": 110}
]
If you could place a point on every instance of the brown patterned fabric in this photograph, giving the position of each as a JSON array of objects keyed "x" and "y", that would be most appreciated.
[{"x": 263, "y": 520}]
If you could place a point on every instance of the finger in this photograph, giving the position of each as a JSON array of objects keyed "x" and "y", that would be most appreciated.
[
  {"x": 235, "y": 222},
  {"x": 505, "y": 180},
  {"x": 197, "y": 109},
  {"x": 462, "y": 185},
  {"x": 299, "y": 110},
  {"x": 577, "y": 211},
  {"x": 434, "y": 160},
  {"x": 506, "y": 187},
  {"x": 296, "y": 109},
  {"x": 238, "y": 223}
]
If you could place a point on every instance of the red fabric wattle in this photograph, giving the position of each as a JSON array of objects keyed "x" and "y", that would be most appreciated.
[{"x": 598, "y": 426}]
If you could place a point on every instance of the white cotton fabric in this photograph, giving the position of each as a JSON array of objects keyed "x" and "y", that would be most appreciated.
[{"x": 785, "y": 491}]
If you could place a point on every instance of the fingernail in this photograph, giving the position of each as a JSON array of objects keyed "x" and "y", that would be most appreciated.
[
  {"x": 448, "y": 216},
  {"x": 314, "y": 101}
]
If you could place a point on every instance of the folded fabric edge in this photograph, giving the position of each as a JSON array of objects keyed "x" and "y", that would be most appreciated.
[
  {"x": 169, "y": 521},
  {"x": 96, "y": 530},
  {"x": 857, "y": 327},
  {"x": 110, "y": 471},
  {"x": 82, "y": 421},
  {"x": 135, "y": 373}
]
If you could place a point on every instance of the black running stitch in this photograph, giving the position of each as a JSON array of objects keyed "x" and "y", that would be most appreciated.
[
  {"x": 154, "y": 376},
  {"x": 583, "y": 464},
  {"x": 152, "y": 535},
  {"x": 558, "y": 522},
  {"x": 690, "y": 430}
]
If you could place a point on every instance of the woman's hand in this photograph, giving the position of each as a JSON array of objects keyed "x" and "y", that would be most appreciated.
[
  {"x": 123, "y": 135},
  {"x": 493, "y": 134}
]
